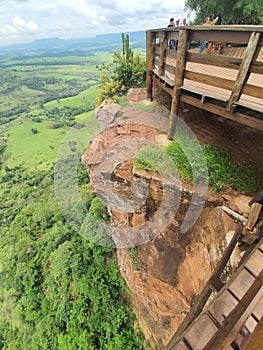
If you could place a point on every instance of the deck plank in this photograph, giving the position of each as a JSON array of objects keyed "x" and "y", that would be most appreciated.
[
  {"x": 205, "y": 327},
  {"x": 254, "y": 264},
  {"x": 241, "y": 284},
  {"x": 222, "y": 306},
  {"x": 254, "y": 79}
]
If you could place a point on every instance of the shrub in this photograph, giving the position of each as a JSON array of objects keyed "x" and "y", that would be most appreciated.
[{"x": 125, "y": 71}]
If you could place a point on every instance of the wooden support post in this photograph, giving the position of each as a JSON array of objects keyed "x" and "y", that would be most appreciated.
[
  {"x": 179, "y": 78},
  {"x": 162, "y": 51},
  {"x": 243, "y": 73},
  {"x": 150, "y": 63}
]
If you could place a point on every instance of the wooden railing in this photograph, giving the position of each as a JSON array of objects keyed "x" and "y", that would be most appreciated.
[{"x": 229, "y": 84}]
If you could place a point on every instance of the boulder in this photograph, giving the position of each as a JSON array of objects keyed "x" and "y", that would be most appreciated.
[
  {"x": 238, "y": 203},
  {"x": 136, "y": 95},
  {"x": 106, "y": 113}
]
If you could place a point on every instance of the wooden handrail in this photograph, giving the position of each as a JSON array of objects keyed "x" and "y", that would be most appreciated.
[{"x": 173, "y": 66}]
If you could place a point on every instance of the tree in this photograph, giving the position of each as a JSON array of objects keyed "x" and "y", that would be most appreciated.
[{"x": 230, "y": 11}]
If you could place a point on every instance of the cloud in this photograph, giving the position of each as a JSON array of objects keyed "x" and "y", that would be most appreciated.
[
  {"x": 25, "y": 20},
  {"x": 7, "y": 29},
  {"x": 19, "y": 22}
]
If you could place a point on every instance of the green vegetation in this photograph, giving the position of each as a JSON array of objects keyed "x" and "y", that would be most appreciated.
[
  {"x": 58, "y": 290},
  {"x": 231, "y": 11},
  {"x": 128, "y": 69},
  {"x": 133, "y": 255},
  {"x": 154, "y": 158},
  {"x": 221, "y": 171},
  {"x": 196, "y": 163},
  {"x": 43, "y": 80}
]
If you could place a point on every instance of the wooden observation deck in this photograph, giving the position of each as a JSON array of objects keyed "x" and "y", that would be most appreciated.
[{"x": 228, "y": 84}]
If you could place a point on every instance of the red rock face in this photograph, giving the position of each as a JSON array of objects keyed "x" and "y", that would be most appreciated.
[
  {"x": 171, "y": 267},
  {"x": 174, "y": 267}
]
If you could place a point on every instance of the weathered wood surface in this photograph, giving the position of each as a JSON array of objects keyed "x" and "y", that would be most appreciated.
[
  {"x": 234, "y": 76},
  {"x": 243, "y": 73},
  {"x": 150, "y": 63},
  {"x": 178, "y": 80},
  {"x": 238, "y": 117},
  {"x": 233, "y": 314},
  {"x": 212, "y": 79},
  {"x": 214, "y": 283},
  {"x": 253, "y": 215}
]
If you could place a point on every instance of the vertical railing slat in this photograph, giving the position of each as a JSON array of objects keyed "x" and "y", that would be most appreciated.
[
  {"x": 179, "y": 78},
  {"x": 243, "y": 73},
  {"x": 150, "y": 63}
]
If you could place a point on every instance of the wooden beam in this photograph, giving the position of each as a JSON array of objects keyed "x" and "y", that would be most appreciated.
[
  {"x": 171, "y": 54},
  {"x": 163, "y": 85},
  {"x": 223, "y": 28},
  {"x": 215, "y": 33},
  {"x": 243, "y": 73},
  {"x": 209, "y": 80},
  {"x": 150, "y": 62},
  {"x": 237, "y": 117},
  {"x": 179, "y": 78},
  {"x": 162, "y": 51},
  {"x": 212, "y": 60},
  {"x": 196, "y": 309},
  {"x": 252, "y": 90},
  {"x": 168, "y": 68},
  {"x": 157, "y": 50}
]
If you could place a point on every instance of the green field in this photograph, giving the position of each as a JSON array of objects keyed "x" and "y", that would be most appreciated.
[
  {"x": 29, "y": 84},
  {"x": 39, "y": 151},
  {"x": 58, "y": 290},
  {"x": 38, "y": 93}
]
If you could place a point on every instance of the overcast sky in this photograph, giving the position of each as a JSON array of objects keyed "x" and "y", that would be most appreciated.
[{"x": 27, "y": 20}]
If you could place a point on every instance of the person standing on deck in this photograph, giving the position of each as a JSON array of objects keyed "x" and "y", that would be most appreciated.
[
  {"x": 183, "y": 23},
  {"x": 171, "y": 42},
  {"x": 177, "y": 25},
  {"x": 204, "y": 42}
]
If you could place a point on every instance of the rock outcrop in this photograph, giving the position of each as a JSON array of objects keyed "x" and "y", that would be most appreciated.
[{"x": 164, "y": 268}]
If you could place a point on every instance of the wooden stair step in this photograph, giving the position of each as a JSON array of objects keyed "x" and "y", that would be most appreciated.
[
  {"x": 201, "y": 332},
  {"x": 242, "y": 337},
  {"x": 258, "y": 310},
  {"x": 251, "y": 324},
  {"x": 255, "y": 263},
  {"x": 241, "y": 284},
  {"x": 180, "y": 346},
  {"x": 222, "y": 306}
]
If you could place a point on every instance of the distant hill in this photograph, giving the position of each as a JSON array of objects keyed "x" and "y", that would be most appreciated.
[{"x": 55, "y": 47}]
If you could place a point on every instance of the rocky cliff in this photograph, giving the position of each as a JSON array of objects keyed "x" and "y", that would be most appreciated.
[{"x": 164, "y": 268}]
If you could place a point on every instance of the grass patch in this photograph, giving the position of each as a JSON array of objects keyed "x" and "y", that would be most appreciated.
[
  {"x": 87, "y": 97},
  {"x": 145, "y": 108},
  {"x": 133, "y": 255},
  {"x": 221, "y": 171},
  {"x": 154, "y": 158},
  {"x": 198, "y": 164}
]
